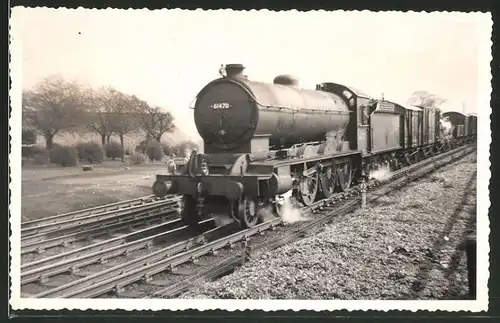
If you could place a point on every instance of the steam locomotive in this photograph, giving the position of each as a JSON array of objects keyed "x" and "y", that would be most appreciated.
[{"x": 263, "y": 140}]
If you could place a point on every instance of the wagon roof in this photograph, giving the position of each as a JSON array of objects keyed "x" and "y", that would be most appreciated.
[
  {"x": 411, "y": 107},
  {"x": 454, "y": 112},
  {"x": 358, "y": 92}
]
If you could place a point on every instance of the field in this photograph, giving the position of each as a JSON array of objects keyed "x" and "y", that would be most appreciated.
[{"x": 51, "y": 190}]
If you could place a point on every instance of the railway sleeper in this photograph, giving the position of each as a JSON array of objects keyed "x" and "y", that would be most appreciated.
[
  {"x": 160, "y": 282},
  {"x": 105, "y": 259},
  {"x": 40, "y": 250},
  {"x": 147, "y": 278},
  {"x": 57, "y": 281},
  {"x": 82, "y": 273},
  {"x": 129, "y": 294}
]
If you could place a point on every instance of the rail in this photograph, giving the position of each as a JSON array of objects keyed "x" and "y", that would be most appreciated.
[
  {"x": 89, "y": 211},
  {"x": 73, "y": 260},
  {"x": 78, "y": 223},
  {"x": 39, "y": 244}
]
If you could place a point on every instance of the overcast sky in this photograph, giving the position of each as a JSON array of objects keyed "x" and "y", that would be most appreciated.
[{"x": 166, "y": 57}]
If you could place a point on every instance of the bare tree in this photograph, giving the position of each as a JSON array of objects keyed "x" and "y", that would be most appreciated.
[
  {"x": 153, "y": 121},
  {"x": 52, "y": 106},
  {"x": 123, "y": 118},
  {"x": 99, "y": 109},
  {"x": 426, "y": 99}
]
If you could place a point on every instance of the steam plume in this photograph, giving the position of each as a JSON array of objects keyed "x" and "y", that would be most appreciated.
[{"x": 290, "y": 211}]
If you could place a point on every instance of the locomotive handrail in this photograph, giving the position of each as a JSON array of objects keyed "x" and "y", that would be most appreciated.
[
  {"x": 250, "y": 94},
  {"x": 306, "y": 110}
]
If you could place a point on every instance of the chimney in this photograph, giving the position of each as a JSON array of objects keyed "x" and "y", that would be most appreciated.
[{"x": 235, "y": 70}]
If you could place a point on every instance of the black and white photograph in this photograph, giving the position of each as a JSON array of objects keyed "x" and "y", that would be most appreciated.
[{"x": 273, "y": 160}]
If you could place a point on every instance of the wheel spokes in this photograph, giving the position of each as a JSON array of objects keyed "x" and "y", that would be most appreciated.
[
  {"x": 328, "y": 182},
  {"x": 345, "y": 176},
  {"x": 247, "y": 212},
  {"x": 308, "y": 188}
]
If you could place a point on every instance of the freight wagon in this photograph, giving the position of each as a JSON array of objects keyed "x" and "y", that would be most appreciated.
[{"x": 464, "y": 126}]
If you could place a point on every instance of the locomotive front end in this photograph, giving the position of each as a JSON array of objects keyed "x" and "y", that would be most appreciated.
[
  {"x": 212, "y": 194},
  {"x": 225, "y": 113},
  {"x": 226, "y": 118}
]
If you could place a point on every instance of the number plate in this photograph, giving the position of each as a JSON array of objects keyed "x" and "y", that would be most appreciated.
[{"x": 220, "y": 106}]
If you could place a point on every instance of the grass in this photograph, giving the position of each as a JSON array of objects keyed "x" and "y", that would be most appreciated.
[{"x": 51, "y": 190}]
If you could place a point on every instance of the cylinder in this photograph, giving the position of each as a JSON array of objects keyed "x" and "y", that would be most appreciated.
[
  {"x": 234, "y": 190},
  {"x": 279, "y": 184}
]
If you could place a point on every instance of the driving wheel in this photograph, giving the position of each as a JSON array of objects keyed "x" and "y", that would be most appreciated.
[
  {"x": 328, "y": 181},
  {"x": 308, "y": 188},
  {"x": 344, "y": 173}
]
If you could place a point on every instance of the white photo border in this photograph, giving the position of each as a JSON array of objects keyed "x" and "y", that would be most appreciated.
[{"x": 483, "y": 175}]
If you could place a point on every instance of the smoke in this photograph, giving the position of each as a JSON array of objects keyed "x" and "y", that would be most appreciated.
[
  {"x": 446, "y": 124},
  {"x": 171, "y": 167},
  {"x": 381, "y": 174},
  {"x": 290, "y": 212},
  {"x": 180, "y": 206},
  {"x": 187, "y": 151}
]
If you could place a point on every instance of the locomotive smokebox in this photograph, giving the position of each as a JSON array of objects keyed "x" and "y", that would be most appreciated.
[{"x": 234, "y": 70}]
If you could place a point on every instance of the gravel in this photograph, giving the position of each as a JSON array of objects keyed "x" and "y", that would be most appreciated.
[{"x": 404, "y": 246}]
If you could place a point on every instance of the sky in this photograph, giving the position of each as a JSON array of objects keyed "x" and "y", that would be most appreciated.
[{"x": 165, "y": 57}]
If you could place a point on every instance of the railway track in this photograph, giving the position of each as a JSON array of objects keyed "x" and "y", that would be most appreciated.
[
  {"x": 84, "y": 212},
  {"x": 170, "y": 270},
  {"x": 72, "y": 261},
  {"x": 30, "y": 249},
  {"x": 89, "y": 217},
  {"x": 117, "y": 255},
  {"x": 66, "y": 231},
  {"x": 324, "y": 212}
]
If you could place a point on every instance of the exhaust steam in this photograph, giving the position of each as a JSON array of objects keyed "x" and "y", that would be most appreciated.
[
  {"x": 446, "y": 127},
  {"x": 187, "y": 152},
  {"x": 290, "y": 211},
  {"x": 446, "y": 124},
  {"x": 180, "y": 206},
  {"x": 381, "y": 174}
]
